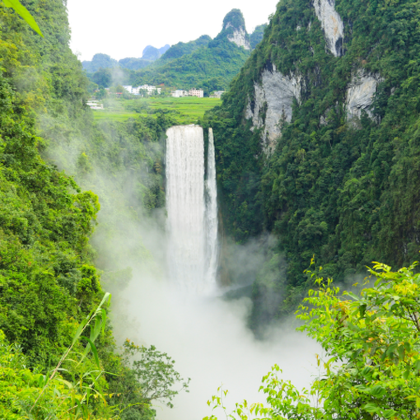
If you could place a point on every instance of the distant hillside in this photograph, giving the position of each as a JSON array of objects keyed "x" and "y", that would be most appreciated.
[
  {"x": 205, "y": 63},
  {"x": 104, "y": 61},
  {"x": 99, "y": 61},
  {"x": 184, "y": 48},
  {"x": 151, "y": 53}
]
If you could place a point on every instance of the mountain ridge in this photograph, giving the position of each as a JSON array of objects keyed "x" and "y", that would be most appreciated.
[
  {"x": 105, "y": 61},
  {"x": 205, "y": 62}
]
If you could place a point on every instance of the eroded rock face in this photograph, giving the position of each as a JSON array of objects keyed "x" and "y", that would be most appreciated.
[
  {"x": 272, "y": 105},
  {"x": 332, "y": 24},
  {"x": 239, "y": 37},
  {"x": 360, "y": 93}
]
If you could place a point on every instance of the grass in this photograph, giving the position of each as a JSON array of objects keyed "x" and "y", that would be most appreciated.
[{"x": 186, "y": 110}]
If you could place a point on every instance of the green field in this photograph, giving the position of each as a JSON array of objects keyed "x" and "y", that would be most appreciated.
[{"x": 186, "y": 110}]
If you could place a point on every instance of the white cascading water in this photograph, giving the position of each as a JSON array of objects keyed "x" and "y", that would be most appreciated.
[
  {"x": 212, "y": 246},
  {"x": 191, "y": 225}
]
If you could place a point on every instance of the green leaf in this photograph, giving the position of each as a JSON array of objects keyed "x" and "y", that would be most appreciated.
[
  {"x": 91, "y": 347},
  {"x": 24, "y": 13},
  {"x": 389, "y": 413},
  {"x": 371, "y": 408},
  {"x": 79, "y": 330},
  {"x": 378, "y": 391},
  {"x": 352, "y": 295}
]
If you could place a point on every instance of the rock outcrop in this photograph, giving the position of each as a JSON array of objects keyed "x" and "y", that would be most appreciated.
[
  {"x": 240, "y": 38},
  {"x": 332, "y": 24},
  {"x": 273, "y": 101},
  {"x": 360, "y": 93},
  {"x": 234, "y": 29}
]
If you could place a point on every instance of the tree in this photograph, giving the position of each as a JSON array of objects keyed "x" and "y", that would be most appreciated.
[
  {"x": 155, "y": 372},
  {"x": 103, "y": 78},
  {"x": 101, "y": 93},
  {"x": 372, "y": 352}
]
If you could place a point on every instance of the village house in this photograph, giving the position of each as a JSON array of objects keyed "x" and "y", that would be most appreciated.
[
  {"x": 92, "y": 104},
  {"x": 146, "y": 88}
]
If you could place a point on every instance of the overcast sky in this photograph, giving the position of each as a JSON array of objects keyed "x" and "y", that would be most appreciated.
[{"x": 122, "y": 28}]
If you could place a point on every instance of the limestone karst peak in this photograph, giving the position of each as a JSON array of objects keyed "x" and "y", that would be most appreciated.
[{"x": 234, "y": 29}]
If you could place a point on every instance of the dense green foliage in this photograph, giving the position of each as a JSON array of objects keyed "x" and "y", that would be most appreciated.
[
  {"x": 256, "y": 37},
  {"x": 345, "y": 191},
  {"x": 49, "y": 280},
  {"x": 211, "y": 68},
  {"x": 21, "y": 10},
  {"x": 370, "y": 369}
]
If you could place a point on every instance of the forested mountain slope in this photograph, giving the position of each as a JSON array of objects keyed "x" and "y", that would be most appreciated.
[
  {"x": 49, "y": 276},
  {"x": 183, "y": 48},
  {"x": 318, "y": 142}
]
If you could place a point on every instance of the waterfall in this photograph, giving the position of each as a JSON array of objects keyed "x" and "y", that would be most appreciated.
[
  {"x": 212, "y": 246},
  {"x": 191, "y": 210}
]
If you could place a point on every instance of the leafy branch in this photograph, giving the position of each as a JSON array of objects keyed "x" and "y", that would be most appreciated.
[{"x": 24, "y": 13}]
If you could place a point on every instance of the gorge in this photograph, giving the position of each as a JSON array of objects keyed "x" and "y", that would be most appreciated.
[{"x": 211, "y": 237}]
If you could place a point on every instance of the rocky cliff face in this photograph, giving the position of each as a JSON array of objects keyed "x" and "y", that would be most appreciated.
[
  {"x": 360, "y": 93},
  {"x": 332, "y": 25},
  {"x": 274, "y": 91},
  {"x": 234, "y": 29},
  {"x": 272, "y": 104},
  {"x": 239, "y": 37},
  {"x": 296, "y": 155}
]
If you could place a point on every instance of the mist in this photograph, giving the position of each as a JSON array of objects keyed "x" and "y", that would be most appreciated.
[
  {"x": 210, "y": 341},
  {"x": 207, "y": 336}
]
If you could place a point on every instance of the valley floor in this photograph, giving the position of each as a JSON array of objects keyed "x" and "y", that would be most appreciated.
[{"x": 186, "y": 110}]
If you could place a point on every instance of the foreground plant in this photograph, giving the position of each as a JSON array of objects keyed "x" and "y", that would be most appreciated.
[
  {"x": 371, "y": 343},
  {"x": 71, "y": 392},
  {"x": 155, "y": 371},
  {"x": 21, "y": 10}
]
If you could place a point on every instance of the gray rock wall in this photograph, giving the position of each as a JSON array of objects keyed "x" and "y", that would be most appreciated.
[
  {"x": 274, "y": 96},
  {"x": 239, "y": 38},
  {"x": 360, "y": 93},
  {"x": 332, "y": 24}
]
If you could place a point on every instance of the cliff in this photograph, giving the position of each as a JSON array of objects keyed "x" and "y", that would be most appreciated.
[{"x": 316, "y": 141}]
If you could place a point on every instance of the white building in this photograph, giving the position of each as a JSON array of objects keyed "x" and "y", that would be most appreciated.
[
  {"x": 179, "y": 93},
  {"x": 199, "y": 93},
  {"x": 149, "y": 89},
  {"x": 92, "y": 104}
]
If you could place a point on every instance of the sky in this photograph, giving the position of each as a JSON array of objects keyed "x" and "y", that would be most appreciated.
[{"x": 123, "y": 28}]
